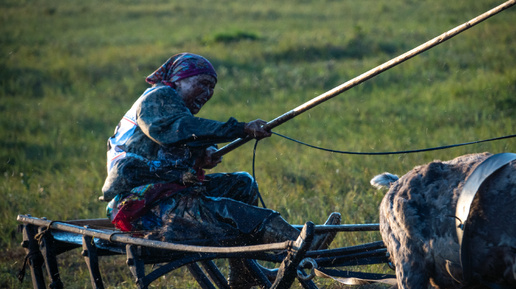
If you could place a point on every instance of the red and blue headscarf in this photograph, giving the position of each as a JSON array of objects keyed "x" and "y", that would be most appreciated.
[{"x": 181, "y": 66}]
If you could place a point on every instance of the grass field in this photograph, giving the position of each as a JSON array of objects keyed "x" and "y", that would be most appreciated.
[{"x": 70, "y": 69}]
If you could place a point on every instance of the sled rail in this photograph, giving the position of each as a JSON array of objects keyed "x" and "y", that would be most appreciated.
[{"x": 44, "y": 240}]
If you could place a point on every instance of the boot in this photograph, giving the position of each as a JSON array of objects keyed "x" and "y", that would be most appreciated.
[
  {"x": 323, "y": 241},
  {"x": 276, "y": 229}
]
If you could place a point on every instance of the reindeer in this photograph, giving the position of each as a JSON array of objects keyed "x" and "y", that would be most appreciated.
[{"x": 418, "y": 226}]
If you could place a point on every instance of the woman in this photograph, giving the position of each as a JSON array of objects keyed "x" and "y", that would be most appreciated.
[
  {"x": 157, "y": 157},
  {"x": 156, "y": 162}
]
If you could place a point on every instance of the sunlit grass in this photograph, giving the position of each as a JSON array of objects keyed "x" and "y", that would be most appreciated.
[{"x": 69, "y": 70}]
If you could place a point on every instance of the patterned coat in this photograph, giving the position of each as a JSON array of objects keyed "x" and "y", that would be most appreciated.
[{"x": 158, "y": 141}]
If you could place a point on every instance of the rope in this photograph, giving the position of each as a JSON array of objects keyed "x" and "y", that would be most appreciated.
[
  {"x": 33, "y": 256},
  {"x": 254, "y": 178},
  {"x": 395, "y": 152},
  {"x": 21, "y": 274}
]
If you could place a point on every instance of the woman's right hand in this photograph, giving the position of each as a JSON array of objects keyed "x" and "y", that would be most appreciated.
[{"x": 255, "y": 129}]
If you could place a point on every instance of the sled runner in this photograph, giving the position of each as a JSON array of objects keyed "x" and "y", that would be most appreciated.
[{"x": 44, "y": 240}]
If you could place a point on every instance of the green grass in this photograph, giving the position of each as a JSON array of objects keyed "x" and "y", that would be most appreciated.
[{"x": 70, "y": 69}]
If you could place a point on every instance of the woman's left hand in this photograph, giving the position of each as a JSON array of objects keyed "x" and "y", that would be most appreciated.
[{"x": 209, "y": 161}]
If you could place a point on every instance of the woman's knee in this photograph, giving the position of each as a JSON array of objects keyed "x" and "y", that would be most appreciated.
[{"x": 246, "y": 178}]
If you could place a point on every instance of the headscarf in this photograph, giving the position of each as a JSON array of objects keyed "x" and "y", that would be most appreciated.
[{"x": 181, "y": 66}]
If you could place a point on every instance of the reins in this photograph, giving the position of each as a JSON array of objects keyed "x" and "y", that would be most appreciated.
[
  {"x": 394, "y": 152},
  {"x": 372, "y": 153}
]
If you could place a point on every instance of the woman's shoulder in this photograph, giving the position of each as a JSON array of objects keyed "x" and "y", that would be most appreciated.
[
  {"x": 161, "y": 99},
  {"x": 157, "y": 90},
  {"x": 160, "y": 93}
]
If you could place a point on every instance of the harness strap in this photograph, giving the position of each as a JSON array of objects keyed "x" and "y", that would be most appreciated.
[
  {"x": 355, "y": 278},
  {"x": 471, "y": 186}
]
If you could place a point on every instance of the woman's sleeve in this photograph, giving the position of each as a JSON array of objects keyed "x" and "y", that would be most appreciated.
[{"x": 164, "y": 118}]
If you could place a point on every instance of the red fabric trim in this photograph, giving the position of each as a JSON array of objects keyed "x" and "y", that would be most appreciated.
[{"x": 134, "y": 209}]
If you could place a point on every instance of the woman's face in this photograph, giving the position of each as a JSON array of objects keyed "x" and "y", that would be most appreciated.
[{"x": 196, "y": 91}]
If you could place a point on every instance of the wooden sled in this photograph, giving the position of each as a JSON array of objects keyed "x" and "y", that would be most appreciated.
[{"x": 44, "y": 240}]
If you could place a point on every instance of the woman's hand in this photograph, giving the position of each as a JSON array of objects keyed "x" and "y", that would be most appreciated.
[
  {"x": 208, "y": 161},
  {"x": 255, "y": 129}
]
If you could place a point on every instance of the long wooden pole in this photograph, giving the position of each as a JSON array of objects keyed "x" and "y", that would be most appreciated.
[
  {"x": 369, "y": 74},
  {"x": 114, "y": 236}
]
